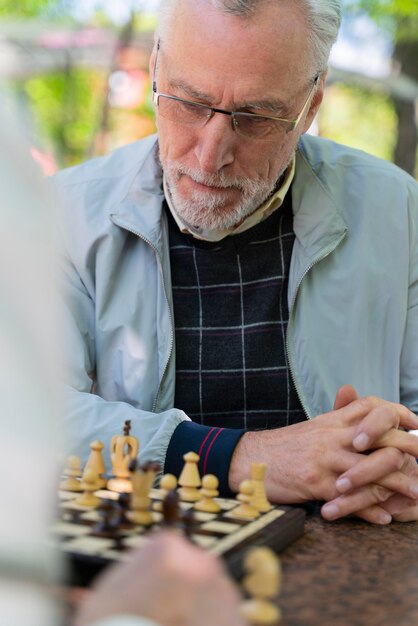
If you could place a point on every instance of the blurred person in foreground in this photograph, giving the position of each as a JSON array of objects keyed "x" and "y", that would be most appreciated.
[
  {"x": 239, "y": 288},
  {"x": 170, "y": 581}
]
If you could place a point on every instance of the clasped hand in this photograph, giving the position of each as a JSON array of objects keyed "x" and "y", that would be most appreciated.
[
  {"x": 358, "y": 458},
  {"x": 382, "y": 482}
]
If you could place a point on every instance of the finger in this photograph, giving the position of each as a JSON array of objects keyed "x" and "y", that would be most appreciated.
[
  {"x": 382, "y": 417},
  {"x": 406, "y": 442},
  {"x": 357, "y": 500},
  {"x": 371, "y": 469},
  {"x": 408, "y": 514},
  {"x": 375, "y": 514},
  {"x": 399, "y": 504},
  {"x": 374, "y": 425},
  {"x": 345, "y": 395}
]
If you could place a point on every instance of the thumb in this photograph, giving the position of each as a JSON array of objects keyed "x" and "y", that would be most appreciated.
[{"x": 345, "y": 395}]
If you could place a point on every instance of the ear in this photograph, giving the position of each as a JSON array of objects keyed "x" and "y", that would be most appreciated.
[{"x": 316, "y": 101}]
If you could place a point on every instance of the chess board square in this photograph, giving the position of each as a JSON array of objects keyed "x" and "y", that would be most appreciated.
[
  {"x": 73, "y": 506},
  {"x": 201, "y": 516},
  {"x": 220, "y": 527},
  {"x": 204, "y": 541},
  {"x": 90, "y": 516},
  {"x": 185, "y": 506},
  {"x": 135, "y": 530},
  {"x": 226, "y": 505},
  {"x": 135, "y": 541},
  {"x": 71, "y": 530},
  {"x": 88, "y": 545},
  {"x": 67, "y": 495},
  {"x": 107, "y": 494}
]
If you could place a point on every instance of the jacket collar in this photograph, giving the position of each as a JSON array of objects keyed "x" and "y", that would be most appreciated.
[
  {"x": 317, "y": 221},
  {"x": 140, "y": 209}
]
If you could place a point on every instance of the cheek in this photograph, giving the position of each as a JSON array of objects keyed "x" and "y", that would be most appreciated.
[
  {"x": 175, "y": 142},
  {"x": 263, "y": 163}
]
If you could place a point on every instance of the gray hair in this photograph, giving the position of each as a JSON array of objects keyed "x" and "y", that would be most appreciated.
[{"x": 323, "y": 18}]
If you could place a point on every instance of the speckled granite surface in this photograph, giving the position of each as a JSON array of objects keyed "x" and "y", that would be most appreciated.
[{"x": 351, "y": 573}]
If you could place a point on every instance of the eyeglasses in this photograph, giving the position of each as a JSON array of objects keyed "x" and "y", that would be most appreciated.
[{"x": 248, "y": 125}]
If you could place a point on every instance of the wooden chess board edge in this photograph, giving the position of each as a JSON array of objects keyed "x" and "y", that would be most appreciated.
[{"x": 275, "y": 536}]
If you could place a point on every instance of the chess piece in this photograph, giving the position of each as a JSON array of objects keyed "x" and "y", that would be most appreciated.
[
  {"x": 168, "y": 482},
  {"x": 105, "y": 527},
  {"x": 89, "y": 486},
  {"x": 262, "y": 583},
  {"x": 96, "y": 463},
  {"x": 189, "y": 479},
  {"x": 259, "y": 499},
  {"x": 123, "y": 449},
  {"x": 188, "y": 523},
  {"x": 208, "y": 492},
  {"x": 121, "y": 518},
  {"x": 171, "y": 509},
  {"x": 73, "y": 473},
  {"x": 142, "y": 481},
  {"x": 246, "y": 510}
]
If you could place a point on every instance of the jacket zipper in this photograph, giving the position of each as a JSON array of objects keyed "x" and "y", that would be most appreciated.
[
  {"x": 160, "y": 266},
  {"x": 290, "y": 354}
]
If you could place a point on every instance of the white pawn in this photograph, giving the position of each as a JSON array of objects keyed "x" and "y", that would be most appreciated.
[
  {"x": 246, "y": 510},
  {"x": 96, "y": 463},
  {"x": 262, "y": 583},
  {"x": 208, "y": 492},
  {"x": 259, "y": 500},
  {"x": 73, "y": 473},
  {"x": 189, "y": 479},
  {"x": 168, "y": 483},
  {"x": 89, "y": 484}
]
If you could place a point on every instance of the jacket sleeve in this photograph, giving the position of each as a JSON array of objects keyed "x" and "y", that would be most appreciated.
[
  {"x": 88, "y": 416},
  {"x": 409, "y": 357}
]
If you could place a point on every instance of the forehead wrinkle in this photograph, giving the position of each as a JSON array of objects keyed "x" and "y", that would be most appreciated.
[{"x": 192, "y": 92}]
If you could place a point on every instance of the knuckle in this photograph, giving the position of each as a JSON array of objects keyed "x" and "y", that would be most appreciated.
[
  {"x": 368, "y": 403},
  {"x": 395, "y": 458},
  {"x": 380, "y": 494}
]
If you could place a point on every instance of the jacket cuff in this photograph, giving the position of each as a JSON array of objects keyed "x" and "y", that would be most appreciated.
[{"x": 214, "y": 446}]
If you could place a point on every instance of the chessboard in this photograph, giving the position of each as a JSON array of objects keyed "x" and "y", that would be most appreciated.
[{"x": 89, "y": 551}]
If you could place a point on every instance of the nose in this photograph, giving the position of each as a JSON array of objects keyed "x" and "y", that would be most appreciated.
[{"x": 216, "y": 144}]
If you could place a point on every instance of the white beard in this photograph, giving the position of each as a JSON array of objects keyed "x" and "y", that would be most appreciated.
[{"x": 207, "y": 211}]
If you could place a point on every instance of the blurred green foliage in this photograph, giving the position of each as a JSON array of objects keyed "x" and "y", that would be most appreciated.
[
  {"x": 358, "y": 118},
  {"x": 66, "y": 108}
]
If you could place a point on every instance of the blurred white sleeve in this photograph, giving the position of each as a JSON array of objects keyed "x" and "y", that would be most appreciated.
[{"x": 29, "y": 421}]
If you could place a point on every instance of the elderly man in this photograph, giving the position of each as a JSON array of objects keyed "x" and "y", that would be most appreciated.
[{"x": 240, "y": 289}]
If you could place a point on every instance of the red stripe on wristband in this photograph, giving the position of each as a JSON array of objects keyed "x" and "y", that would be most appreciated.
[
  {"x": 205, "y": 440},
  {"x": 209, "y": 449}
]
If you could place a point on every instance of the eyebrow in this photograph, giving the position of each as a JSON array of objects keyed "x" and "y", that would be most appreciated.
[{"x": 270, "y": 105}]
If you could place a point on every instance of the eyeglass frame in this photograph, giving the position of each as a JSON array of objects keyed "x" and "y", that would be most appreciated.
[{"x": 292, "y": 123}]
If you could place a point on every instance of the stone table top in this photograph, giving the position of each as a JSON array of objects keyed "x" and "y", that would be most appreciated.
[{"x": 351, "y": 573}]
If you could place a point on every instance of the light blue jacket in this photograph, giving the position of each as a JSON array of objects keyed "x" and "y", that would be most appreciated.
[{"x": 353, "y": 289}]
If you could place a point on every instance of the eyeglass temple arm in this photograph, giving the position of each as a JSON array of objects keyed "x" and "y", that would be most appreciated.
[
  {"x": 305, "y": 106},
  {"x": 154, "y": 71}
]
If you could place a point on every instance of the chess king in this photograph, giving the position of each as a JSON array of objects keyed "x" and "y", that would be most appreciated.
[{"x": 123, "y": 449}]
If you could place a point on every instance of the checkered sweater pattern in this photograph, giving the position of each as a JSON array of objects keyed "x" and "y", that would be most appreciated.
[{"x": 231, "y": 315}]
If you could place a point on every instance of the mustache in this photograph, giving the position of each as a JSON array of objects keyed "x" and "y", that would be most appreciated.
[{"x": 220, "y": 179}]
